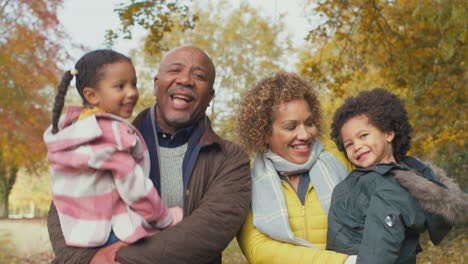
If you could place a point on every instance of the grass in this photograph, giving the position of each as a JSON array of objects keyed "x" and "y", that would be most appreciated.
[
  {"x": 7, "y": 249},
  {"x": 232, "y": 254},
  {"x": 453, "y": 250}
]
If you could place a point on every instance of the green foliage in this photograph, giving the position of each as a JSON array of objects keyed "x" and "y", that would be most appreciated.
[
  {"x": 155, "y": 16},
  {"x": 416, "y": 49},
  {"x": 244, "y": 46}
]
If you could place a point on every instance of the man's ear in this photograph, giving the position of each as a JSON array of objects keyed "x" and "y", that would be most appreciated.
[
  {"x": 390, "y": 136},
  {"x": 155, "y": 84},
  {"x": 90, "y": 96},
  {"x": 212, "y": 94}
]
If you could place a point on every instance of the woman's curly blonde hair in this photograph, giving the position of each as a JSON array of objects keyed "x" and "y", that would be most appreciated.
[{"x": 255, "y": 114}]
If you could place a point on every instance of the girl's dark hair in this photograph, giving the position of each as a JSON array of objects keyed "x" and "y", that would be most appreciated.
[
  {"x": 384, "y": 110},
  {"x": 89, "y": 71}
]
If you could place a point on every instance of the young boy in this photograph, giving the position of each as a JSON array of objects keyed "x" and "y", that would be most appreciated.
[{"x": 379, "y": 210}]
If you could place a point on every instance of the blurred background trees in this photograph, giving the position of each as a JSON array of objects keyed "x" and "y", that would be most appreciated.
[
  {"x": 155, "y": 16},
  {"x": 414, "y": 48},
  {"x": 243, "y": 44},
  {"x": 31, "y": 52}
]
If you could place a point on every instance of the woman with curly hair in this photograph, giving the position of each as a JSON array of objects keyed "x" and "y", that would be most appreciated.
[
  {"x": 379, "y": 210},
  {"x": 293, "y": 175}
]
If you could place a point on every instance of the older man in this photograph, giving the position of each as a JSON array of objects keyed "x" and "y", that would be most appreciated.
[{"x": 191, "y": 167}]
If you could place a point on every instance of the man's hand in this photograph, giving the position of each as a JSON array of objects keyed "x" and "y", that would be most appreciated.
[{"x": 106, "y": 255}]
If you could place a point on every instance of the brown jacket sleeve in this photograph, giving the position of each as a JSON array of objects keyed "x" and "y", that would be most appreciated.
[
  {"x": 202, "y": 236},
  {"x": 63, "y": 253}
]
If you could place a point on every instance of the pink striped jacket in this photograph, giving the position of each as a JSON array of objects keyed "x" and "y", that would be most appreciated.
[{"x": 99, "y": 168}]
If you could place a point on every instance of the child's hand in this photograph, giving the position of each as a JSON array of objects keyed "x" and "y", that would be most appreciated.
[
  {"x": 351, "y": 259},
  {"x": 177, "y": 215},
  {"x": 106, "y": 255}
]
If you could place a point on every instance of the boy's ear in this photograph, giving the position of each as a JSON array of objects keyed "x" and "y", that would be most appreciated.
[
  {"x": 90, "y": 96},
  {"x": 390, "y": 136}
]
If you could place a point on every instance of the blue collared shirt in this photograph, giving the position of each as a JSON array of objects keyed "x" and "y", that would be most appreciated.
[{"x": 181, "y": 136}]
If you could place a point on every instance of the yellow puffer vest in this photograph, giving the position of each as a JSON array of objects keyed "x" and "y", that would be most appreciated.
[{"x": 308, "y": 222}]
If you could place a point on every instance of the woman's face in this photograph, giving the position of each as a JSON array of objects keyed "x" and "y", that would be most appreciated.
[{"x": 293, "y": 131}]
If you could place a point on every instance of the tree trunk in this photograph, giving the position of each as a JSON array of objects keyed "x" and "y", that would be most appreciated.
[
  {"x": 4, "y": 205},
  {"x": 7, "y": 180}
]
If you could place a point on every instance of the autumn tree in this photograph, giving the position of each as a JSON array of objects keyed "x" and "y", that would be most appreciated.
[
  {"x": 243, "y": 44},
  {"x": 31, "y": 190},
  {"x": 414, "y": 48},
  {"x": 29, "y": 58},
  {"x": 154, "y": 16}
]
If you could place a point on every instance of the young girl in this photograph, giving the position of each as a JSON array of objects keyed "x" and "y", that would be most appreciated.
[
  {"x": 380, "y": 209},
  {"x": 99, "y": 162}
]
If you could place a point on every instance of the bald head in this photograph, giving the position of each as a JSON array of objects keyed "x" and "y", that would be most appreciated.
[{"x": 190, "y": 53}]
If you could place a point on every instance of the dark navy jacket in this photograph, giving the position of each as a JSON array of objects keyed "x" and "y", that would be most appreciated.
[{"x": 374, "y": 217}]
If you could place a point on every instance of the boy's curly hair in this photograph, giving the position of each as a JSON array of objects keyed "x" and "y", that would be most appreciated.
[
  {"x": 255, "y": 114},
  {"x": 385, "y": 111}
]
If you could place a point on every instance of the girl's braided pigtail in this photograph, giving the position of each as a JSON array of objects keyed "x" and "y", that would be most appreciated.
[{"x": 60, "y": 99}]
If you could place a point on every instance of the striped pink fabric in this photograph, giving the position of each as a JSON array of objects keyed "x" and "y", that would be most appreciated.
[{"x": 100, "y": 180}]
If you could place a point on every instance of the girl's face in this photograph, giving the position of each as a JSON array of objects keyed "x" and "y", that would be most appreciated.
[
  {"x": 116, "y": 92},
  {"x": 365, "y": 144},
  {"x": 293, "y": 131}
]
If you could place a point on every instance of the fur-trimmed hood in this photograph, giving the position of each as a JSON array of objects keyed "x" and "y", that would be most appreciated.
[{"x": 443, "y": 198}]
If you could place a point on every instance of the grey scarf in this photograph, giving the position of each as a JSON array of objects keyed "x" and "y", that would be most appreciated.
[{"x": 270, "y": 214}]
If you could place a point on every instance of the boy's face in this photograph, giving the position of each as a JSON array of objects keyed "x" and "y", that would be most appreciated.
[{"x": 365, "y": 144}]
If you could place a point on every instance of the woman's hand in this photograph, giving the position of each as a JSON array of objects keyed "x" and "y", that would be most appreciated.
[{"x": 106, "y": 255}]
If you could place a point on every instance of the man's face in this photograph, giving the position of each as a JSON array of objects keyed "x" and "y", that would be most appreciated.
[{"x": 183, "y": 88}]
